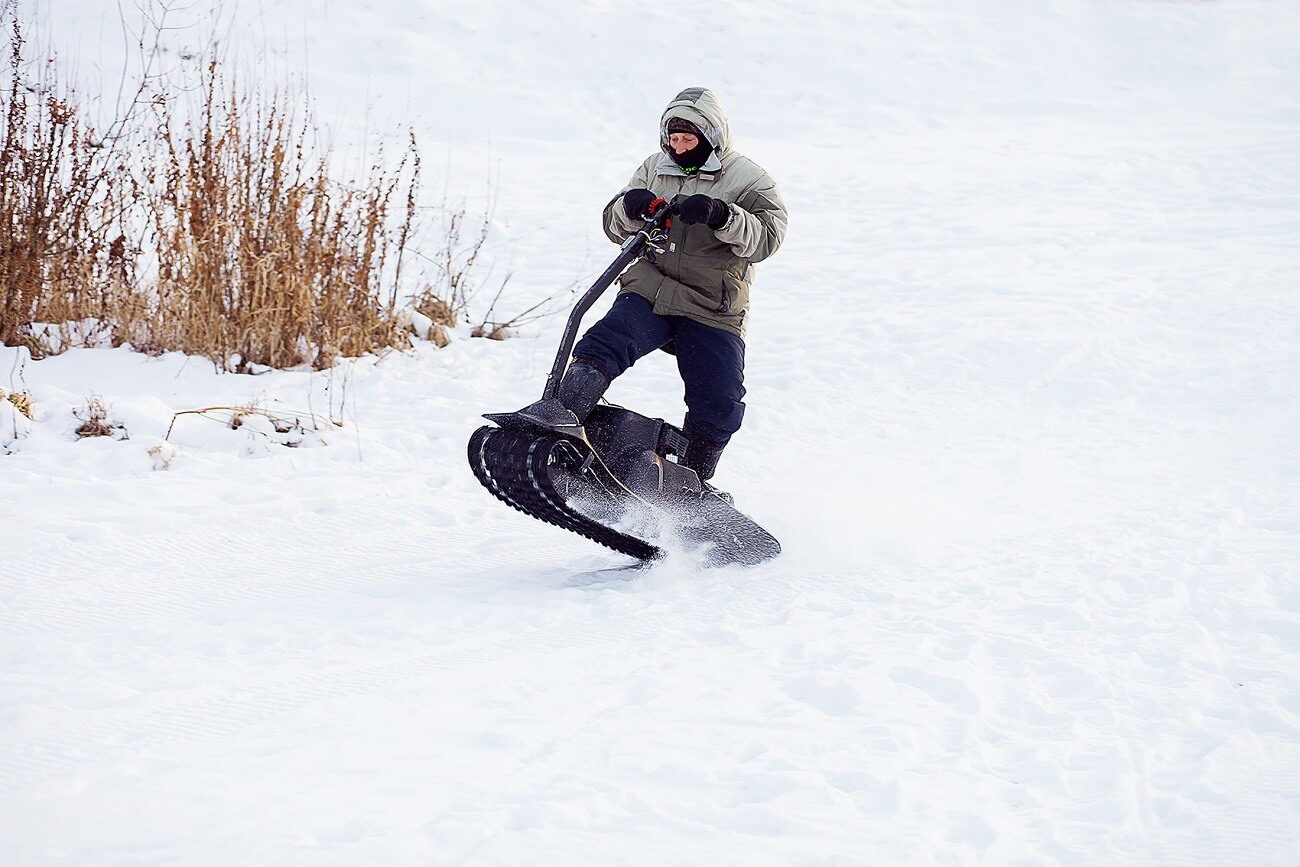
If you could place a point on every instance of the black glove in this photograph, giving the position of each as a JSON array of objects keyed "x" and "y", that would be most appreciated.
[
  {"x": 700, "y": 208},
  {"x": 641, "y": 204}
]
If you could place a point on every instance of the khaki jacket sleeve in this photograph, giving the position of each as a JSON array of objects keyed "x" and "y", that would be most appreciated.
[
  {"x": 758, "y": 221},
  {"x": 618, "y": 226}
]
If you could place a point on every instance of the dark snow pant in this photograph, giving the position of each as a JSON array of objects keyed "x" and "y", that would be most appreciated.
[{"x": 711, "y": 361}]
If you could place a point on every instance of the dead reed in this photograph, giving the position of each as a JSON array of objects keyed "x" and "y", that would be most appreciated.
[
  {"x": 60, "y": 197},
  {"x": 246, "y": 250},
  {"x": 262, "y": 259}
]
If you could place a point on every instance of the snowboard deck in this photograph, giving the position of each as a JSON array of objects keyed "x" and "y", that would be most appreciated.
[{"x": 554, "y": 474}]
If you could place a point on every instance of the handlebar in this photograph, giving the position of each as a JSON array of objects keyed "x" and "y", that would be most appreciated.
[{"x": 651, "y": 234}]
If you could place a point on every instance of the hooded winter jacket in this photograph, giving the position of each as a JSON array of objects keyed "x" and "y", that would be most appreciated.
[{"x": 703, "y": 274}]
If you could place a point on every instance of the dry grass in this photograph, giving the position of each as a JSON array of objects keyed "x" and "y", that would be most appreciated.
[
  {"x": 60, "y": 195},
  {"x": 21, "y": 400},
  {"x": 223, "y": 235},
  {"x": 290, "y": 428},
  {"x": 446, "y": 300},
  {"x": 262, "y": 259},
  {"x": 95, "y": 421},
  {"x": 162, "y": 455}
]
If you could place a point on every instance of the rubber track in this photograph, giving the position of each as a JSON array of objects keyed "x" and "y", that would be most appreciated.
[{"x": 517, "y": 467}]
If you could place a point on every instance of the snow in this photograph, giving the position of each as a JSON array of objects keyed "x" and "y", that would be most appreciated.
[{"x": 1024, "y": 391}]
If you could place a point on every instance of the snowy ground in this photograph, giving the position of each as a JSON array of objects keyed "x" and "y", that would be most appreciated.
[{"x": 1024, "y": 393}]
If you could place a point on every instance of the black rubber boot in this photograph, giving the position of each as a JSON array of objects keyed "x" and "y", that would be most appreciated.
[
  {"x": 702, "y": 455},
  {"x": 581, "y": 388}
]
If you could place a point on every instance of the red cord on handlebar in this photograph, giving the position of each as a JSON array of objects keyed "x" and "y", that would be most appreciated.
[{"x": 655, "y": 206}]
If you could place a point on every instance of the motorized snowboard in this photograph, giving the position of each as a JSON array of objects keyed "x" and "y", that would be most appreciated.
[{"x": 612, "y": 479}]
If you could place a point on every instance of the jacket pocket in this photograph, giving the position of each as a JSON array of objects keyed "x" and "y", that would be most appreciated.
[{"x": 735, "y": 296}]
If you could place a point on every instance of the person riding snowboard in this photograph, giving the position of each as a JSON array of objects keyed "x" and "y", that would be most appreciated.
[{"x": 692, "y": 299}]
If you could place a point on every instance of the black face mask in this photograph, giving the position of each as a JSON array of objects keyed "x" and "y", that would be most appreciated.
[{"x": 693, "y": 158}]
